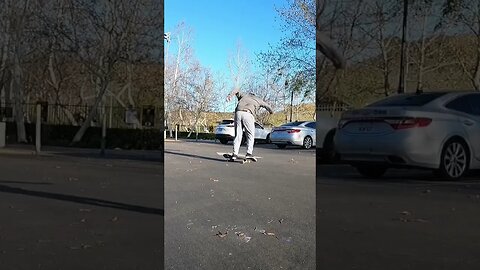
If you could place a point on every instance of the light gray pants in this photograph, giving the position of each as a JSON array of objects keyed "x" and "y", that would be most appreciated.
[{"x": 247, "y": 121}]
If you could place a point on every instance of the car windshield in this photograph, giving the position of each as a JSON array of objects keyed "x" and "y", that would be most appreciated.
[
  {"x": 226, "y": 122},
  {"x": 293, "y": 124},
  {"x": 407, "y": 100}
]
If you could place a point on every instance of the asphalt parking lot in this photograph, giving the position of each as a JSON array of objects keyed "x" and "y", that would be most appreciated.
[
  {"x": 78, "y": 211},
  {"x": 406, "y": 220},
  {"x": 222, "y": 215}
]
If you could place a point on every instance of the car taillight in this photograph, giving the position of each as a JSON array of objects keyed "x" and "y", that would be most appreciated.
[
  {"x": 293, "y": 130},
  {"x": 406, "y": 123}
]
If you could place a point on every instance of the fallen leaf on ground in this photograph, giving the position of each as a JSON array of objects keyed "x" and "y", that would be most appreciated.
[
  {"x": 221, "y": 235},
  {"x": 405, "y": 213},
  {"x": 420, "y": 220},
  {"x": 259, "y": 230},
  {"x": 114, "y": 219}
]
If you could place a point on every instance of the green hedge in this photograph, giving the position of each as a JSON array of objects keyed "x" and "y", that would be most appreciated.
[{"x": 62, "y": 135}]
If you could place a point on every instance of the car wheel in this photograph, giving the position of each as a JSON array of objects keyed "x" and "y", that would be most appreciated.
[
  {"x": 370, "y": 171},
  {"x": 281, "y": 146},
  {"x": 307, "y": 142},
  {"x": 268, "y": 139},
  {"x": 455, "y": 160},
  {"x": 328, "y": 151},
  {"x": 223, "y": 141}
]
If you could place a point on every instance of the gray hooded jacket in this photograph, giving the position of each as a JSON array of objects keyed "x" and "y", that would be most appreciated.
[{"x": 251, "y": 103}]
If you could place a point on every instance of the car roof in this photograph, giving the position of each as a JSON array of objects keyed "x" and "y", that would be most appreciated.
[
  {"x": 443, "y": 96},
  {"x": 299, "y": 123}
]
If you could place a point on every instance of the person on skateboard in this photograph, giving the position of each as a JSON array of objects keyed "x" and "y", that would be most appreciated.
[{"x": 247, "y": 106}]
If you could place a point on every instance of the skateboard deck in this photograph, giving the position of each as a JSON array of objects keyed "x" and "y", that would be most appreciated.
[{"x": 241, "y": 158}]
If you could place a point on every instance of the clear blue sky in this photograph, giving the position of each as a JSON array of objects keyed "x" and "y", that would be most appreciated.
[{"x": 219, "y": 24}]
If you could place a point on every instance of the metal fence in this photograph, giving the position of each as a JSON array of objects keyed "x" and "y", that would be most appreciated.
[
  {"x": 331, "y": 110},
  {"x": 61, "y": 114},
  {"x": 147, "y": 116}
]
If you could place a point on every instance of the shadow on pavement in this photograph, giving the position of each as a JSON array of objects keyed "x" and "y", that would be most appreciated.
[
  {"x": 257, "y": 145},
  {"x": 82, "y": 200},
  {"x": 120, "y": 156},
  {"x": 194, "y": 156},
  {"x": 22, "y": 182},
  {"x": 346, "y": 173}
]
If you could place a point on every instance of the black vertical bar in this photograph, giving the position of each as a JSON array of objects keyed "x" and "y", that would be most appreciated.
[{"x": 401, "y": 86}]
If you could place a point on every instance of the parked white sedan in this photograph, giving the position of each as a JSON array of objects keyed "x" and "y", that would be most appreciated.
[
  {"x": 300, "y": 133},
  {"x": 225, "y": 132},
  {"x": 438, "y": 131}
]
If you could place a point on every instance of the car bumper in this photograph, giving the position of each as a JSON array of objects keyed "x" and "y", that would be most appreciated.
[
  {"x": 284, "y": 139},
  {"x": 415, "y": 149},
  {"x": 224, "y": 137}
]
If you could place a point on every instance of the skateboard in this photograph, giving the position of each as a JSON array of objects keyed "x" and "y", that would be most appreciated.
[{"x": 241, "y": 158}]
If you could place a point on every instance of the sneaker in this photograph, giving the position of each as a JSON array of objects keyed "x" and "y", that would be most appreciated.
[
  {"x": 250, "y": 156},
  {"x": 234, "y": 157}
]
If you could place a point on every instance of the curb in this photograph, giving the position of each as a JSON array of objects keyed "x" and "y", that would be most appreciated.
[
  {"x": 22, "y": 152},
  {"x": 173, "y": 141}
]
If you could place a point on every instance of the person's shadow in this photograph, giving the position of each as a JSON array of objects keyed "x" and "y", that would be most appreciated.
[
  {"x": 82, "y": 200},
  {"x": 194, "y": 156}
]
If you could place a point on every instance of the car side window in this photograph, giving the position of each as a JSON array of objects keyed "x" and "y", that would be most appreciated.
[
  {"x": 461, "y": 104},
  {"x": 474, "y": 101},
  {"x": 311, "y": 125}
]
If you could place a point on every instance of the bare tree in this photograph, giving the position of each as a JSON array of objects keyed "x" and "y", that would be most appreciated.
[
  {"x": 239, "y": 66},
  {"x": 323, "y": 44},
  {"x": 200, "y": 95},
  {"x": 429, "y": 34},
  {"x": 383, "y": 30},
  {"x": 465, "y": 14},
  {"x": 102, "y": 35},
  {"x": 176, "y": 70},
  {"x": 17, "y": 22}
]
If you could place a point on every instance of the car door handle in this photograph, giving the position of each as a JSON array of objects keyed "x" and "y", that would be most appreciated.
[{"x": 468, "y": 122}]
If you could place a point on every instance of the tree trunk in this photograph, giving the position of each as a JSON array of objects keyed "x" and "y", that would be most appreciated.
[
  {"x": 91, "y": 114},
  {"x": 70, "y": 116},
  {"x": 476, "y": 76},
  {"x": 17, "y": 86},
  {"x": 422, "y": 56}
]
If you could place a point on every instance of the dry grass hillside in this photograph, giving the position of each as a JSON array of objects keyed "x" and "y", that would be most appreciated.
[{"x": 300, "y": 112}]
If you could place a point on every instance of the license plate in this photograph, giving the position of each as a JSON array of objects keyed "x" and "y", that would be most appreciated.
[{"x": 365, "y": 129}]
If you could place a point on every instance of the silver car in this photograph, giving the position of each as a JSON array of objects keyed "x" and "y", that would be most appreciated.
[
  {"x": 301, "y": 133},
  {"x": 437, "y": 130},
  {"x": 225, "y": 132}
]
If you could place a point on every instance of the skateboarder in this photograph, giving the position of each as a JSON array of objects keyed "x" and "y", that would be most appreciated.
[{"x": 247, "y": 106}]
